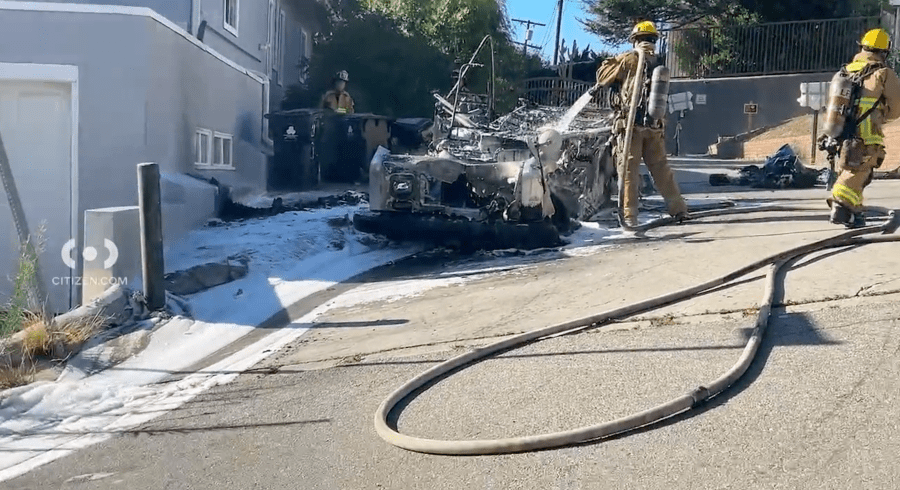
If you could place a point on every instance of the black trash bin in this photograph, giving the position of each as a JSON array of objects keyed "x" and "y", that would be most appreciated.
[
  {"x": 343, "y": 148},
  {"x": 295, "y": 133}
]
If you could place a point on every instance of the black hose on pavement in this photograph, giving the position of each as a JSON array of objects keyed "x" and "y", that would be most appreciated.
[{"x": 673, "y": 407}]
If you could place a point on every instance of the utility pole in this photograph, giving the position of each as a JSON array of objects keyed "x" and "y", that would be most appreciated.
[
  {"x": 558, "y": 30},
  {"x": 528, "y": 33}
]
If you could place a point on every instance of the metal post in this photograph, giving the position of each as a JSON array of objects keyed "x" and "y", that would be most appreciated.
[
  {"x": 815, "y": 136},
  {"x": 37, "y": 292},
  {"x": 558, "y": 31},
  {"x": 152, "y": 266},
  {"x": 678, "y": 129}
]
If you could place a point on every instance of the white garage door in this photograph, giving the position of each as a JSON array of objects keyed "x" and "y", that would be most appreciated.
[{"x": 36, "y": 128}]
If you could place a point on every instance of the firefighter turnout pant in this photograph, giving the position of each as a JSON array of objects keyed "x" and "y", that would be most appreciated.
[
  {"x": 854, "y": 177},
  {"x": 649, "y": 144}
]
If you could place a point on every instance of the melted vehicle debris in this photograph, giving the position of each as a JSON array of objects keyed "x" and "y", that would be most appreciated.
[{"x": 517, "y": 181}]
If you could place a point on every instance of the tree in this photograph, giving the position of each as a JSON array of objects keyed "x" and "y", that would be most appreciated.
[
  {"x": 399, "y": 51},
  {"x": 584, "y": 62},
  {"x": 613, "y": 19},
  {"x": 455, "y": 27},
  {"x": 391, "y": 73}
]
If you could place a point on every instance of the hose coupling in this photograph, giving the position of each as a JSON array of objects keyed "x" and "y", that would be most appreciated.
[{"x": 699, "y": 396}]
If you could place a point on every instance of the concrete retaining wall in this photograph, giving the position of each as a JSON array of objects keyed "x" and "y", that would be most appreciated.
[
  {"x": 112, "y": 240},
  {"x": 723, "y": 113}
]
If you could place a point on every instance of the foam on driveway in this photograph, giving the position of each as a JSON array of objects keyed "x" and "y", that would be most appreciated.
[{"x": 293, "y": 255}]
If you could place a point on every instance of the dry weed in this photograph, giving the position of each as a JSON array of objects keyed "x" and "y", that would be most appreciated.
[
  {"x": 17, "y": 374},
  {"x": 77, "y": 332}
]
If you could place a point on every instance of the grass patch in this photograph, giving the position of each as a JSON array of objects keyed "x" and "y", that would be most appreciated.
[
  {"x": 19, "y": 374},
  {"x": 28, "y": 338},
  {"x": 74, "y": 333},
  {"x": 25, "y": 299}
]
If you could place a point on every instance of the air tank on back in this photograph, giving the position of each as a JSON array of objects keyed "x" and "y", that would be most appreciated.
[
  {"x": 839, "y": 94},
  {"x": 659, "y": 93}
]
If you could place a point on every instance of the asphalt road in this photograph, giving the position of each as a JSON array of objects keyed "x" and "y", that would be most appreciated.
[{"x": 818, "y": 408}]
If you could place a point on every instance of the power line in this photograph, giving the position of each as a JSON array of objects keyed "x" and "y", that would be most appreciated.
[
  {"x": 528, "y": 33},
  {"x": 548, "y": 34}
]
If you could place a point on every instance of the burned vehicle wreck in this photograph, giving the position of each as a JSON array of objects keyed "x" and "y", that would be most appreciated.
[{"x": 518, "y": 181}]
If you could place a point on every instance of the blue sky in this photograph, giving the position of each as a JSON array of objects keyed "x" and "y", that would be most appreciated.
[{"x": 544, "y": 11}]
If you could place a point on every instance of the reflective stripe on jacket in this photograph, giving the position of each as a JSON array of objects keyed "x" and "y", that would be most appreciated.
[
  {"x": 340, "y": 102},
  {"x": 866, "y": 127}
]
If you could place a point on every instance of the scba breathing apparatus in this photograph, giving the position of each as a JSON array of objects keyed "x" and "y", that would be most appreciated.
[
  {"x": 842, "y": 113},
  {"x": 842, "y": 117},
  {"x": 653, "y": 96}
]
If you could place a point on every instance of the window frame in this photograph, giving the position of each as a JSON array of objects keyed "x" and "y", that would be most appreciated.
[
  {"x": 233, "y": 29},
  {"x": 198, "y": 133},
  {"x": 222, "y": 138},
  {"x": 216, "y": 144}
]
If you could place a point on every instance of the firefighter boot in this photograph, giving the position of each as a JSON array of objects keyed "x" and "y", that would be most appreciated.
[
  {"x": 628, "y": 221},
  {"x": 840, "y": 215}
]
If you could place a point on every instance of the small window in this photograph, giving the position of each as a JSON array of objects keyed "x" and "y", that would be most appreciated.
[
  {"x": 203, "y": 140},
  {"x": 222, "y": 150},
  {"x": 232, "y": 8}
]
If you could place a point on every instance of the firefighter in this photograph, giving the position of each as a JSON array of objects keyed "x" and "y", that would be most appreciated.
[
  {"x": 879, "y": 102},
  {"x": 337, "y": 99},
  {"x": 648, "y": 138}
]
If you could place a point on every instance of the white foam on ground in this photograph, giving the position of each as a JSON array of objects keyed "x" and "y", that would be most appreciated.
[{"x": 293, "y": 255}]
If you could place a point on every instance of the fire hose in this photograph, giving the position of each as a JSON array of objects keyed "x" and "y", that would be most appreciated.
[
  {"x": 629, "y": 134},
  {"x": 778, "y": 263}
]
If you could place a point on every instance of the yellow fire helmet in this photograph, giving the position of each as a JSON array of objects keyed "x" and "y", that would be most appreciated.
[
  {"x": 877, "y": 39},
  {"x": 644, "y": 29}
]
